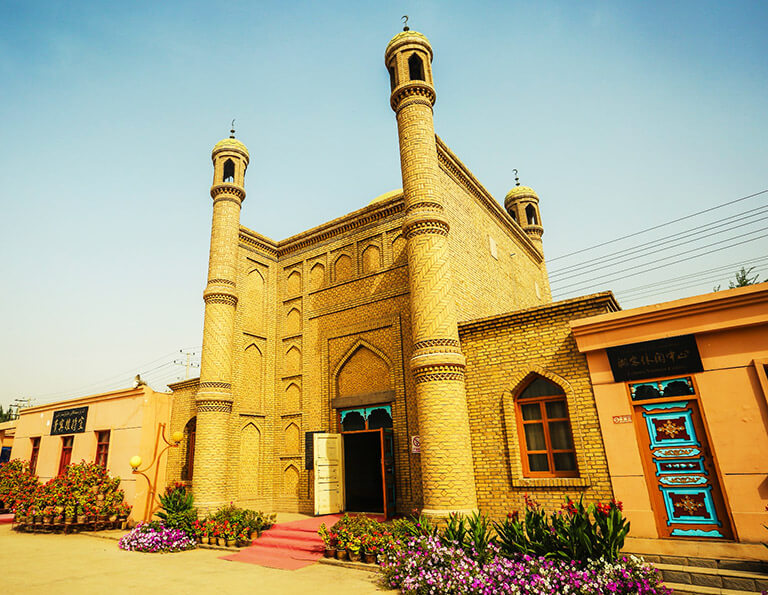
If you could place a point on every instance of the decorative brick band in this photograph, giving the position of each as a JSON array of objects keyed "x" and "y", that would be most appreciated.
[
  {"x": 220, "y": 298},
  {"x": 412, "y": 93},
  {"x": 227, "y": 198},
  {"x": 214, "y": 407},
  {"x": 231, "y": 189},
  {"x": 224, "y": 385},
  {"x": 426, "y": 205},
  {"x": 222, "y": 282},
  {"x": 438, "y": 373},
  {"x": 420, "y": 227},
  {"x": 431, "y": 343}
]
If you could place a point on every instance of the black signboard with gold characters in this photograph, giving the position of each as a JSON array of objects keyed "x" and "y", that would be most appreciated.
[
  {"x": 69, "y": 421},
  {"x": 654, "y": 359}
]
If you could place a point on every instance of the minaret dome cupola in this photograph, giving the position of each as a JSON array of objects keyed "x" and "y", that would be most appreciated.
[
  {"x": 230, "y": 160},
  {"x": 408, "y": 58},
  {"x": 522, "y": 204}
]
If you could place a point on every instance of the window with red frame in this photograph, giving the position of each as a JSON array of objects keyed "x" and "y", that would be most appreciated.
[
  {"x": 33, "y": 456},
  {"x": 102, "y": 448},
  {"x": 66, "y": 452},
  {"x": 546, "y": 441}
]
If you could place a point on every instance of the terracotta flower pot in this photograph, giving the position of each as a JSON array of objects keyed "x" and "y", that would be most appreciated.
[
  {"x": 330, "y": 552},
  {"x": 230, "y": 543},
  {"x": 370, "y": 558},
  {"x": 341, "y": 554},
  {"x": 353, "y": 556}
]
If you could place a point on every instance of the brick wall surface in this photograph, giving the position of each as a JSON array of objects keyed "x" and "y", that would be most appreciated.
[{"x": 502, "y": 352}]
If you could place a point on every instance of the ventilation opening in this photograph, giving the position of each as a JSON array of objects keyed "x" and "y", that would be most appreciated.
[
  {"x": 530, "y": 213},
  {"x": 229, "y": 171},
  {"x": 513, "y": 214},
  {"x": 415, "y": 68},
  {"x": 391, "y": 78}
]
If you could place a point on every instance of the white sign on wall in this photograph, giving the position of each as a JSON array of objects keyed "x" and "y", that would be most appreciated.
[{"x": 415, "y": 444}]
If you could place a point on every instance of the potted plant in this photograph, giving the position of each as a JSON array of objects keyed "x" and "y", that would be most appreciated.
[
  {"x": 244, "y": 537},
  {"x": 353, "y": 549},
  {"x": 328, "y": 541}
]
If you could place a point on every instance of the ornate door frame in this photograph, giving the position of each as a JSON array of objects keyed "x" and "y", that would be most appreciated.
[{"x": 681, "y": 472}]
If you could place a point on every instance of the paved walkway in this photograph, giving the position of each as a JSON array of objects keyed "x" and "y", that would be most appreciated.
[{"x": 85, "y": 564}]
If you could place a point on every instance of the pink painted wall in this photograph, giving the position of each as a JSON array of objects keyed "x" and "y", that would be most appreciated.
[
  {"x": 132, "y": 416},
  {"x": 731, "y": 330}
]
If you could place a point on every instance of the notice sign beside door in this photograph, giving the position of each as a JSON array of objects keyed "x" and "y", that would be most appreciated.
[{"x": 415, "y": 444}]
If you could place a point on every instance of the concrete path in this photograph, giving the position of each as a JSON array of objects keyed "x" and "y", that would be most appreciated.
[{"x": 84, "y": 564}]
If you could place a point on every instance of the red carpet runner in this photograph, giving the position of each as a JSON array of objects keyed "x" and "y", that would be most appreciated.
[{"x": 288, "y": 546}]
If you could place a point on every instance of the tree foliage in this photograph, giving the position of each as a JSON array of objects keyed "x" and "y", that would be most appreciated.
[{"x": 742, "y": 278}]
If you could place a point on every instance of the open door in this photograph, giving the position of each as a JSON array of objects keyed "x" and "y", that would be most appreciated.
[
  {"x": 388, "y": 471},
  {"x": 329, "y": 473}
]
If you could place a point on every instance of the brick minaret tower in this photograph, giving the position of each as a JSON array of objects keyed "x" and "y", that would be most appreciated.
[
  {"x": 522, "y": 204},
  {"x": 214, "y": 396},
  {"x": 437, "y": 363}
]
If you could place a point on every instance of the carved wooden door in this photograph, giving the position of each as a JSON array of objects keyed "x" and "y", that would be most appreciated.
[{"x": 680, "y": 472}]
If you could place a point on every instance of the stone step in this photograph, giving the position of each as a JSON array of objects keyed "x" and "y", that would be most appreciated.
[{"x": 701, "y": 579}]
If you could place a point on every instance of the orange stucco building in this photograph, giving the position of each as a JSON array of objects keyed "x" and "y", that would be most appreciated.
[
  {"x": 682, "y": 398},
  {"x": 108, "y": 428}
]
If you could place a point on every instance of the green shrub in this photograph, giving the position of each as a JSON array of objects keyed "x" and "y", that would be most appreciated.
[
  {"x": 575, "y": 532},
  {"x": 178, "y": 511}
]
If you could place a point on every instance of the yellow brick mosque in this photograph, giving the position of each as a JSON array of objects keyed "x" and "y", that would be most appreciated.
[{"x": 395, "y": 357}]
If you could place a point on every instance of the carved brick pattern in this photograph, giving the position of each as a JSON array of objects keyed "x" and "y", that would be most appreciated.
[
  {"x": 415, "y": 92},
  {"x": 214, "y": 407},
  {"x": 436, "y": 373},
  {"x": 220, "y": 190},
  {"x": 432, "y": 343},
  {"x": 224, "y": 385},
  {"x": 425, "y": 205},
  {"x": 220, "y": 298},
  {"x": 222, "y": 282},
  {"x": 226, "y": 198},
  {"x": 435, "y": 227}
]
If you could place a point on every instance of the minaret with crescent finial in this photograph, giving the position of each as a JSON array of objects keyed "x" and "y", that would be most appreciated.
[
  {"x": 437, "y": 363},
  {"x": 214, "y": 396}
]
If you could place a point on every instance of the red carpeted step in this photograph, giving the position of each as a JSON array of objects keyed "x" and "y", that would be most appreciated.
[{"x": 288, "y": 545}]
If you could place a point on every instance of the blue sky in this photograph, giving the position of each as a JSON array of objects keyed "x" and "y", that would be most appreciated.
[{"x": 622, "y": 115}]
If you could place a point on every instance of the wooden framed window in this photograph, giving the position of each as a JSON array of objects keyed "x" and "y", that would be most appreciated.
[
  {"x": 544, "y": 427},
  {"x": 35, "y": 453},
  {"x": 102, "y": 448},
  {"x": 66, "y": 452}
]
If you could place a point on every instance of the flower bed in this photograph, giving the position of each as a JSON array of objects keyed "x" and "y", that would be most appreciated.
[
  {"x": 84, "y": 496},
  {"x": 574, "y": 550},
  {"x": 425, "y": 565},
  {"x": 154, "y": 537}
]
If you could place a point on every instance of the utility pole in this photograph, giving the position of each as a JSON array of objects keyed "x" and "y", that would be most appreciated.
[{"x": 188, "y": 363}]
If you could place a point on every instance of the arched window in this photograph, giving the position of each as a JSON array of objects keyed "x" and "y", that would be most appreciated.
[
  {"x": 415, "y": 68},
  {"x": 391, "y": 78},
  {"x": 530, "y": 213},
  {"x": 229, "y": 171},
  {"x": 190, "y": 432},
  {"x": 546, "y": 441}
]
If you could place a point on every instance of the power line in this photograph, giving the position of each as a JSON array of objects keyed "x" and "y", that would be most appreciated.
[
  {"x": 110, "y": 380},
  {"x": 708, "y": 272},
  {"x": 707, "y": 227},
  {"x": 631, "y": 235},
  {"x": 589, "y": 281}
]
